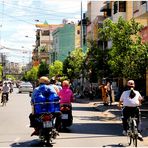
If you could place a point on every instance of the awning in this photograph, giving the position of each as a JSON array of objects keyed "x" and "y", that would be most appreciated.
[{"x": 104, "y": 8}]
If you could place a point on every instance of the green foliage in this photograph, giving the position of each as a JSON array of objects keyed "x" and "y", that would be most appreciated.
[
  {"x": 128, "y": 54},
  {"x": 42, "y": 48},
  {"x": 1, "y": 69},
  {"x": 43, "y": 69},
  {"x": 31, "y": 75},
  {"x": 56, "y": 69},
  {"x": 10, "y": 77},
  {"x": 96, "y": 62},
  {"x": 72, "y": 65}
]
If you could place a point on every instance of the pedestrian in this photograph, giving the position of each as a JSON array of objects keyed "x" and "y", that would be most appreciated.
[
  {"x": 104, "y": 94},
  {"x": 131, "y": 100},
  {"x": 109, "y": 91}
]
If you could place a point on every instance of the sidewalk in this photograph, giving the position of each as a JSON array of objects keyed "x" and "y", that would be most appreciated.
[{"x": 113, "y": 112}]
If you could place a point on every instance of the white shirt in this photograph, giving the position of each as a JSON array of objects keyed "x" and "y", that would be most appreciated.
[
  {"x": 6, "y": 89},
  {"x": 127, "y": 101}
]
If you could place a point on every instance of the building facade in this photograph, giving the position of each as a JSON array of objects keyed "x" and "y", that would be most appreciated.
[{"x": 63, "y": 41}]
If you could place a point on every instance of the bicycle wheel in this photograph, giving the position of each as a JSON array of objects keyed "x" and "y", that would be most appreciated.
[
  {"x": 135, "y": 133},
  {"x": 135, "y": 141},
  {"x": 129, "y": 139}
]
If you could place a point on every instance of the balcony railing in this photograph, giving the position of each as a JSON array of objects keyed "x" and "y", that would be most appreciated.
[{"x": 141, "y": 11}]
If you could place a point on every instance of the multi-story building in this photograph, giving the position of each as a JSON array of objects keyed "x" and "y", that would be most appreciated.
[
  {"x": 128, "y": 10},
  {"x": 93, "y": 10},
  {"x": 63, "y": 41},
  {"x": 140, "y": 11},
  {"x": 44, "y": 43}
]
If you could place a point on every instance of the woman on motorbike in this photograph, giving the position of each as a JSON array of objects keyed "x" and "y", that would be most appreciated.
[{"x": 66, "y": 94}]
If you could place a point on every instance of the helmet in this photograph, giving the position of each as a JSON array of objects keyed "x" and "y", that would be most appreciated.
[
  {"x": 43, "y": 80},
  {"x": 131, "y": 83},
  {"x": 65, "y": 83}
]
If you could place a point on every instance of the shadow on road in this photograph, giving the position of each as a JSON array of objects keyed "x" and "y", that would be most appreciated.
[
  {"x": 114, "y": 129},
  {"x": 30, "y": 143}
]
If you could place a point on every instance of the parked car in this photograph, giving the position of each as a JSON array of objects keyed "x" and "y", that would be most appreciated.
[{"x": 25, "y": 87}]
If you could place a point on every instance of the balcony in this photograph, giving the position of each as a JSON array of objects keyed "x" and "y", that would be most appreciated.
[
  {"x": 44, "y": 55},
  {"x": 140, "y": 9}
]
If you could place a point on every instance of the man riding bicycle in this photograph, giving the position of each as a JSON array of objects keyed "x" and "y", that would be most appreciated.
[
  {"x": 5, "y": 90},
  {"x": 131, "y": 100}
]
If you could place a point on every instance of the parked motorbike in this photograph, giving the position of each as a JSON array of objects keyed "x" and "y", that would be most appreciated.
[
  {"x": 46, "y": 130},
  {"x": 66, "y": 116}
]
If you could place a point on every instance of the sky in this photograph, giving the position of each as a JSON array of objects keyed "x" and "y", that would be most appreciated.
[{"x": 18, "y": 19}]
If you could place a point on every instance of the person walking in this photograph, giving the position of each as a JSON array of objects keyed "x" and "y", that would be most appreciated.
[
  {"x": 104, "y": 94},
  {"x": 109, "y": 91}
]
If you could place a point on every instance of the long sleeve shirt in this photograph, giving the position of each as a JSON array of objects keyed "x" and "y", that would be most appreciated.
[{"x": 66, "y": 95}]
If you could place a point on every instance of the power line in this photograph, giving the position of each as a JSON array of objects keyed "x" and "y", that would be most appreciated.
[{"x": 41, "y": 11}]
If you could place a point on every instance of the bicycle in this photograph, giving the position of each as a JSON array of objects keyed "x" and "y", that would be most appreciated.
[
  {"x": 4, "y": 100},
  {"x": 132, "y": 132}
]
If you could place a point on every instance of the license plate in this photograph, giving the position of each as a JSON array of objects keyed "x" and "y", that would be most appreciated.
[
  {"x": 64, "y": 116},
  {"x": 47, "y": 124}
]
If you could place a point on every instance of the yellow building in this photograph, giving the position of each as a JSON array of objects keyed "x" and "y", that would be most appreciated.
[{"x": 77, "y": 36}]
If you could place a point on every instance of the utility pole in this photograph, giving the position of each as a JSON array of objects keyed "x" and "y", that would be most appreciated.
[{"x": 81, "y": 27}]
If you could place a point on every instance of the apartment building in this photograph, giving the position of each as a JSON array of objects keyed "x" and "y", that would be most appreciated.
[
  {"x": 128, "y": 10},
  {"x": 63, "y": 41},
  {"x": 44, "y": 43},
  {"x": 93, "y": 10}
]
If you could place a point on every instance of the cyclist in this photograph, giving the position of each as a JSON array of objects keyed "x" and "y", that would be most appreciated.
[
  {"x": 131, "y": 100},
  {"x": 5, "y": 90}
]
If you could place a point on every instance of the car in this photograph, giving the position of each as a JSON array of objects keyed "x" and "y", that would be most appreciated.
[{"x": 25, "y": 87}]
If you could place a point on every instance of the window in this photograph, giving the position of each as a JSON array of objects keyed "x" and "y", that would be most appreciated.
[
  {"x": 143, "y": 2},
  {"x": 45, "y": 33},
  {"x": 78, "y": 31},
  {"x": 115, "y": 7},
  {"x": 122, "y": 6}
]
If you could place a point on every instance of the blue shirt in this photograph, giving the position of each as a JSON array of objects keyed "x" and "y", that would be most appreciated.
[{"x": 45, "y": 93}]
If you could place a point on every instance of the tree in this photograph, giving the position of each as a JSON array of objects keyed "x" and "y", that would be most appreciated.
[
  {"x": 96, "y": 62},
  {"x": 43, "y": 69},
  {"x": 72, "y": 65},
  {"x": 31, "y": 75},
  {"x": 128, "y": 55},
  {"x": 1, "y": 70},
  {"x": 56, "y": 69}
]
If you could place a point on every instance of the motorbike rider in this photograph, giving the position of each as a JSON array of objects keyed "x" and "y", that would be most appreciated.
[
  {"x": 42, "y": 93},
  {"x": 131, "y": 100},
  {"x": 11, "y": 87},
  {"x": 66, "y": 95},
  {"x": 5, "y": 90}
]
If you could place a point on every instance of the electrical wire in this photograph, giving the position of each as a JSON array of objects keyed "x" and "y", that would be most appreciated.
[{"x": 40, "y": 11}]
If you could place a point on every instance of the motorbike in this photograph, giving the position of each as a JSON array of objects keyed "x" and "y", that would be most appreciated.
[
  {"x": 46, "y": 130},
  {"x": 4, "y": 99},
  {"x": 66, "y": 116}
]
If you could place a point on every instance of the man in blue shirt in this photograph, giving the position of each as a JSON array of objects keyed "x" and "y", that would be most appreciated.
[{"x": 43, "y": 93}]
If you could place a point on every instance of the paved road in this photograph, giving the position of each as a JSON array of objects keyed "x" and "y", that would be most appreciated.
[{"x": 91, "y": 128}]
